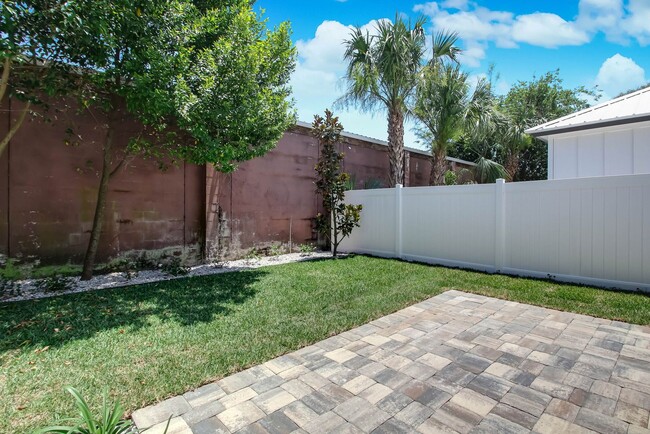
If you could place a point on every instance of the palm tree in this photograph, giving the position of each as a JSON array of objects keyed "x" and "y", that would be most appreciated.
[
  {"x": 513, "y": 141},
  {"x": 447, "y": 111},
  {"x": 383, "y": 71}
]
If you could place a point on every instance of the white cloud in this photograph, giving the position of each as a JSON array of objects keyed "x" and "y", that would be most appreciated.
[
  {"x": 455, "y": 4},
  {"x": 618, "y": 74},
  {"x": 325, "y": 51},
  {"x": 316, "y": 82},
  {"x": 479, "y": 27},
  {"x": 637, "y": 22},
  {"x": 547, "y": 30},
  {"x": 473, "y": 53}
]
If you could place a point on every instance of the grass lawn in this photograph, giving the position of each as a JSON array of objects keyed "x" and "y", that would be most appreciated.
[{"x": 149, "y": 342}]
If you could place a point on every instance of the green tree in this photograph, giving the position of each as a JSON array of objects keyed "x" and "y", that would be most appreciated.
[
  {"x": 383, "y": 71},
  {"x": 535, "y": 102},
  {"x": 449, "y": 111},
  {"x": 207, "y": 80},
  {"x": 338, "y": 219},
  {"x": 30, "y": 56}
]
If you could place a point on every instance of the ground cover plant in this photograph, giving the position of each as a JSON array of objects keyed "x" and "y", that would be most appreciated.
[{"x": 149, "y": 342}]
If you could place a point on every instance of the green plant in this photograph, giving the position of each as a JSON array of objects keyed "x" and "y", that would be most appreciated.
[
  {"x": 109, "y": 420},
  {"x": 465, "y": 176},
  {"x": 159, "y": 60},
  {"x": 530, "y": 103},
  {"x": 350, "y": 183},
  {"x": 252, "y": 256},
  {"x": 55, "y": 283},
  {"x": 276, "y": 249},
  {"x": 125, "y": 265},
  {"x": 448, "y": 109},
  {"x": 451, "y": 178},
  {"x": 373, "y": 183},
  {"x": 143, "y": 262},
  {"x": 338, "y": 219},
  {"x": 174, "y": 267},
  {"x": 10, "y": 270},
  {"x": 306, "y": 249}
]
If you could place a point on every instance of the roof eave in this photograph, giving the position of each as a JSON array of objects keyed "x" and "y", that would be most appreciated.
[{"x": 539, "y": 133}]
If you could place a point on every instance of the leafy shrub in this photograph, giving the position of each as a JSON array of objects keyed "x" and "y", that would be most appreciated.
[
  {"x": 109, "y": 420},
  {"x": 373, "y": 183},
  {"x": 276, "y": 249},
  {"x": 451, "y": 178},
  {"x": 252, "y": 256},
  {"x": 338, "y": 218},
  {"x": 306, "y": 249},
  {"x": 10, "y": 270},
  {"x": 143, "y": 262},
  {"x": 125, "y": 265},
  {"x": 465, "y": 176},
  {"x": 174, "y": 267},
  {"x": 55, "y": 283}
]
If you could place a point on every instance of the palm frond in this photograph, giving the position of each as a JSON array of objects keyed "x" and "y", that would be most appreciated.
[
  {"x": 488, "y": 171},
  {"x": 382, "y": 67},
  {"x": 444, "y": 46}
]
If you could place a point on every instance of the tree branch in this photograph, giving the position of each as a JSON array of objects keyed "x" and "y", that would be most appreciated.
[
  {"x": 127, "y": 156},
  {"x": 14, "y": 128},
  {"x": 6, "y": 68}
]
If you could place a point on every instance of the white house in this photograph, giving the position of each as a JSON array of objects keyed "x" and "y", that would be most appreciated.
[{"x": 612, "y": 138}]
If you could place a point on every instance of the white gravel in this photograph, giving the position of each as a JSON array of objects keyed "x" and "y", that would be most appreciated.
[{"x": 29, "y": 290}]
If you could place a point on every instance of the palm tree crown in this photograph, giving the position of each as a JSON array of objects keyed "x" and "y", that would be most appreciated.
[{"x": 383, "y": 72}]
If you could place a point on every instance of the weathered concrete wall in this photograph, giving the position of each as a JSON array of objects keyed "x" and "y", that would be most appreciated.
[
  {"x": 53, "y": 190},
  {"x": 4, "y": 183},
  {"x": 267, "y": 199},
  {"x": 48, "y": 192},
  {"x": 272, "y": 198}
]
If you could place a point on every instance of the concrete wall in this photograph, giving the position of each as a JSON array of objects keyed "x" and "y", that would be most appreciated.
[
  {"x": 49, "y": 190},
  {"x": 622, "y": 150},
  {"x": 4, "y": 186},
  {"x": 272, "y": 199}
]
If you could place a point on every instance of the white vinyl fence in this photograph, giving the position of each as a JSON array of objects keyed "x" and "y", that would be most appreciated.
[{"x": 594, "y": 231}]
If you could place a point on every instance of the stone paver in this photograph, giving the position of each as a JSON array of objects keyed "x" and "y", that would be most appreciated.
[{"x": 456, "y": 363}]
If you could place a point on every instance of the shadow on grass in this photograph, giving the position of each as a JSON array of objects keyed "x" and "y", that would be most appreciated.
[{"x": 57, "y": 320}]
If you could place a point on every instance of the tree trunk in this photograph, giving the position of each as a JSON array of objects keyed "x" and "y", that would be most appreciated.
[
  {"x": 512, "y": 165},
  {"x": 438, "y": 168},
  {"x": 100, "y": 208},
  {"x": 15, "y": 127},
  {"x": 4, "y": 79},
  {"x": 396, "y": 146},
  {"x": 335, "y": 235}
]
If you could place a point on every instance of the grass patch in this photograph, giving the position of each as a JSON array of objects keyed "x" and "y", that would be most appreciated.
[
  {"x": 12, "y": 271},
  {"x": 153, "y": 341}
]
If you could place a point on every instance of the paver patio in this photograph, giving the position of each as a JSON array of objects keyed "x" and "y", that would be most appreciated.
[{"x": 454, "y": 363}]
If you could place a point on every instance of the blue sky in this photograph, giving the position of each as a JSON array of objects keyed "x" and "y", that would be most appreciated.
[{"x": 592, "y": 42}]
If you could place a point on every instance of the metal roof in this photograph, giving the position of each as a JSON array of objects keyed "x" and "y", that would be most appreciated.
[
  {"x": 384, "y": 143},
  {"x": 631, "y": 108}
]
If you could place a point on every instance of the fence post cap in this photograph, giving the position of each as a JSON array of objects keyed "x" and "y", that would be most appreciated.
[
  {"x": 398, "y": 186},
  {"x": 501, "y": 181}
]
